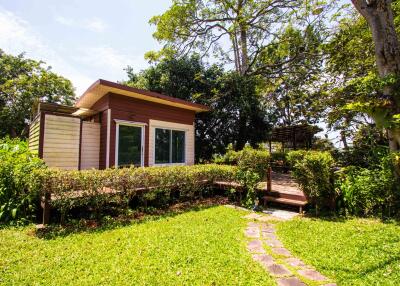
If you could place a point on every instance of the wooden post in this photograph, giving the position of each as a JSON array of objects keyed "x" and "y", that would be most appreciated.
[
  {"x": 46, "y": 208},
  {"x": 269, "y": 179}
]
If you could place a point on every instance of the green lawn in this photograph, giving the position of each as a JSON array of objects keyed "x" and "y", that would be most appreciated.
[
  {"x": 353, "y": 252},
  {"x": 204, "y": 247}
]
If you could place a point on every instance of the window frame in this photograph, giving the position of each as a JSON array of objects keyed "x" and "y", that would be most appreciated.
[
  {"x": 170, "y": 146},
  {"x": 141, "y": 125}
]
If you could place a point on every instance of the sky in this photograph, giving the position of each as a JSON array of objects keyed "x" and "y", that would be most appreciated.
[{"x": 82, "y": 40}]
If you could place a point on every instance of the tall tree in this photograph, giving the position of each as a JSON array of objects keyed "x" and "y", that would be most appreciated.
[
  {"x": 238, "y": 114},
  {"x": 238, "y": 30},
  {"x": 379, "y": 16},
  {"x": 23, "y": 83}
]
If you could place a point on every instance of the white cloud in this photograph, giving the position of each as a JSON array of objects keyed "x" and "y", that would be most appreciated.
[
  {"x": 92, "y": 24},
  {"x": 17, "y": 36},
  {"x": 103, "y": 57},
  {"x": 95, "y": 25}
]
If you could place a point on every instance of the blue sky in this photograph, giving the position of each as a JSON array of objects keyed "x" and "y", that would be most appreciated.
[{"x": 83, "y": 40}]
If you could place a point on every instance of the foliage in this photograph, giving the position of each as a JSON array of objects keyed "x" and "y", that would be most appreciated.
[
  {"x": 352, "y": 251},
  {"x": 238, "y": 114},
  {"x": 369, "y": 191},
  {"x": 368, "y": 148},
  {"x": 237, "y": 32},
  {"x": 17, "y": 204},
  {"x": 252, "y": 166},
  {"x": 314, "y": 171},
  {"x": 200, "y": 247},
  {"x": 23, "y": 83},
  {"x": 100, "y": 187}
]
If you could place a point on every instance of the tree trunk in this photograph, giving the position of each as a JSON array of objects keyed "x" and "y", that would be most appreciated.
[
  {"x": 344, "y": 139},
  {"x": 379, "y": 15},
  {"x": 244, "y": 52}
]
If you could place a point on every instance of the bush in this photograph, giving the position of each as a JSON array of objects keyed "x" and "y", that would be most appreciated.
[
  {"x": 17, "y": 204},
  {"x": 369, "y": 191},
  {"x": 314, "y": 171},
  {"x": 93, "y": 187},
  {"x": 252, "y": 166},
  {"x": 256, "y": 160}
]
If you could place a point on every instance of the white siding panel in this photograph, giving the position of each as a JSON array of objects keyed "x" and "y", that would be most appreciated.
[
  {"x": 90, "y": 151},
  {"x": 61, "y": 142}
]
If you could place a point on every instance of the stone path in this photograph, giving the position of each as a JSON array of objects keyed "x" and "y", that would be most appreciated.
[{"x": 268, "y": 250}]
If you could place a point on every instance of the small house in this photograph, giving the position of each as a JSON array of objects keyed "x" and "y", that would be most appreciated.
[{"x": 113, "y": 125}]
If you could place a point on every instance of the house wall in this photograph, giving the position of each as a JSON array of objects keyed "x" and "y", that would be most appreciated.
[
  {"x": 189, "y": 138},
  {"x": 61, "y": 141},
  {"x": 136, "y": 110},
  {"x": 90, "y": 145},
  {"x": 34, "y": 135}
]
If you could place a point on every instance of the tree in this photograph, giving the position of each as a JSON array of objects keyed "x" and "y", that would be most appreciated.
[
  {"x": 23, "y": 83},
  {"x": 238, "y": 31},
  {"x": 238, "y": 114},
  {"x": 292, "y": 91},
  {"x": 384, "y": 110}
]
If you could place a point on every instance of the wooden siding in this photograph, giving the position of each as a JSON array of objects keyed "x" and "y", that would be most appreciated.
[
  {"x": 189, "y": 139},
  {"x": 61, "y": 141},
  {"x": 34, "y": 135},
  {"x": 132, "y": 109},
  {"x": 90, "y": 146}
]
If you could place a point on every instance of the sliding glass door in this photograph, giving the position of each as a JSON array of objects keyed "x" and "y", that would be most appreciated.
[{"x": 130, "y": 145}]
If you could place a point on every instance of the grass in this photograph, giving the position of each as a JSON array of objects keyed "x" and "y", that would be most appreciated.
[
  {"x": 352, "y": 252},
  {"x": 205, "y": 247}
]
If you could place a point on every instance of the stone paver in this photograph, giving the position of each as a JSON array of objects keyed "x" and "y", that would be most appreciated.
[
  {"x": 295, "y": 262},
  {"x": 274, "y": 243},
  {"x": 264, "y": 259},
  {"x": 290, "y": 281},
  {"x": 312, "y": 275},
  {"x": 285, "y": 277},
  {"x": 252, "y": 232},
  {"x": 255, "y": 246},
  {"x": 281, "y": 251},
  {"x": 278, "y": 270}
]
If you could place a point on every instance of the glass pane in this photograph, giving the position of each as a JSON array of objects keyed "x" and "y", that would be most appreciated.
[
  {"x": 162, "y": 146},
  {"x": 129, "y": 145},
  {"x": 178, "y": 146}
]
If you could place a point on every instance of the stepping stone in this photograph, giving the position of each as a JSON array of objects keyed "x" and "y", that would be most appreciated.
[
  {"x": 252, "y": 232},
  {"x": 281, "y": 251},
  {"x": 312, "y": 275},
  {"x": 295, "y": 262},
  {"x": 290, "y": 281},
  {"x": 278, "y": 270},
  {"x": 274, "y": 243},
  {"x": 253, "y": 224},
  {"x": 252, "y": 216},
  {"x": 269, "y": 235},
  {"x": 267, "y": 229},
  {"x": 264, "y": 259},
  {"x": 255, "y": 246}
]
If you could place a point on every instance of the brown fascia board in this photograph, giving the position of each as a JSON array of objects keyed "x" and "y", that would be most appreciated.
[{"x": 151, "y": 94}]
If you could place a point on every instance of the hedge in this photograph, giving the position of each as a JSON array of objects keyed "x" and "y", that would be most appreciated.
[
  {"x": 70, "y": 189},
  {"x": 17, "y": 204}
]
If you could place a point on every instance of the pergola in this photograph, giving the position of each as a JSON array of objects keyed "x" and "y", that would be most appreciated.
[{"x": 294, "y": 137}]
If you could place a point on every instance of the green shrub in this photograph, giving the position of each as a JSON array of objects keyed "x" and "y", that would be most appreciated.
[
  {"x": 314, "y": 171},
  {"x": 17, "y": 204},
  {"x": 150, "y": 183},
  {"x": 252, "y": 167},
  {"x": 369, "y": 191}
]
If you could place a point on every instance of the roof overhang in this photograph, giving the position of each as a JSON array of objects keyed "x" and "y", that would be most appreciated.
[{"x": 102, "y": 87}]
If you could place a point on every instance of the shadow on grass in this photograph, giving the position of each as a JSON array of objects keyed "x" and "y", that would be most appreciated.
[{"x": 106, "y": 223}]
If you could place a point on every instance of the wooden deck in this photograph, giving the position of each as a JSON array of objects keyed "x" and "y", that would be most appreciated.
[{"x": 284, "y": 190}]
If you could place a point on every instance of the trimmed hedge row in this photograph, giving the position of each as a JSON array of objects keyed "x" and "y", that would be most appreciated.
[{"x": 93, "y": 187}]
